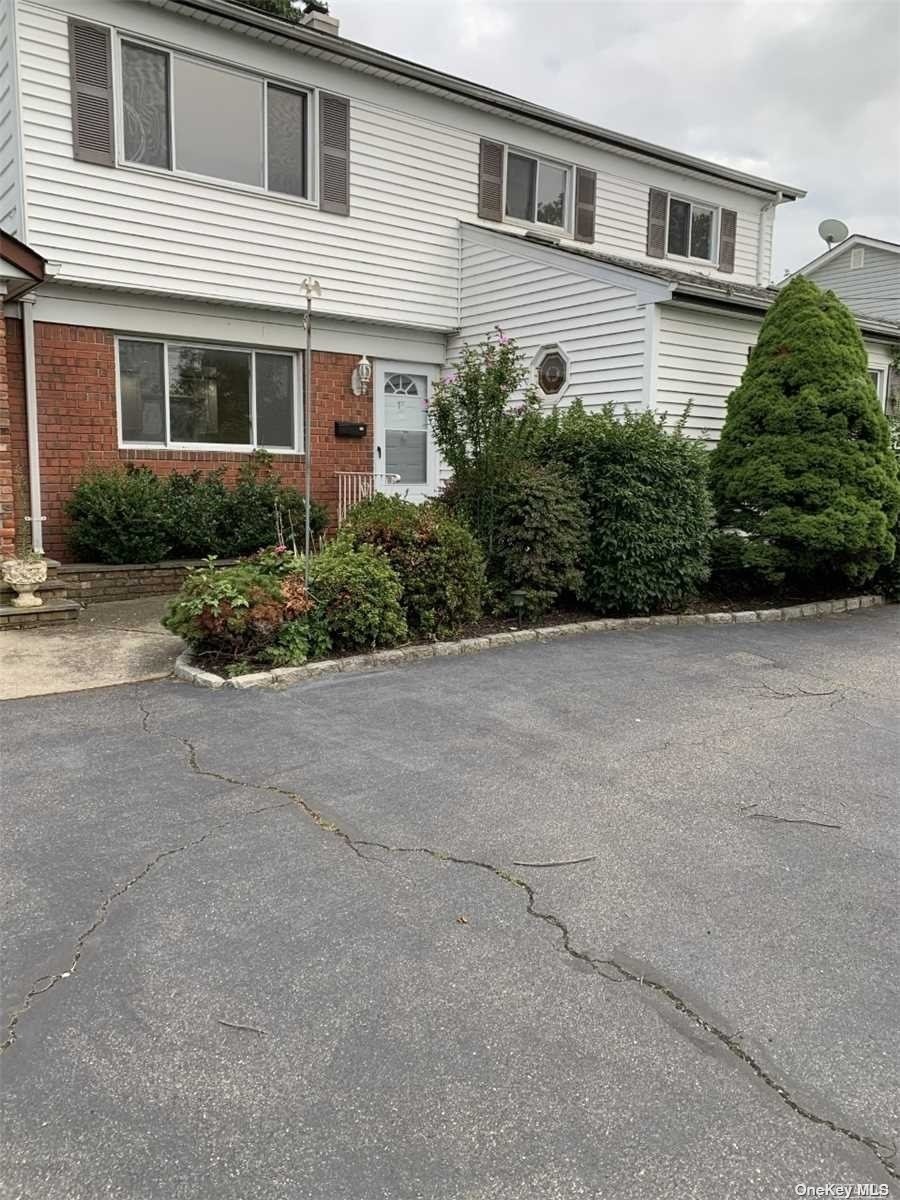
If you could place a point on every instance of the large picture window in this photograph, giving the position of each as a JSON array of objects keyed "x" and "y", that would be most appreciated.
[
  {"x": 182, "y": 113},
  {"x": 183, "y": 395}
]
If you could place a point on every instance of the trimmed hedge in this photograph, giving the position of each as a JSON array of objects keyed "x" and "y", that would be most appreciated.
[
  {"x": 437, "y": 560},
  {"x": 540, "y": 540},
  {"x": 649, "y": 510},
  {"x": 134, "y": 515}
]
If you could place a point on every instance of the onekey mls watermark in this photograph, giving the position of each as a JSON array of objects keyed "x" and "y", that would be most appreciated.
[{"x": 843, "y": 1191}]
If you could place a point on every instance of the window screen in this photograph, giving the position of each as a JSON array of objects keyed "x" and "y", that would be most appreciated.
[
  {"x": 145, "y": 105},
  {"x": 286, "y": 141},
  {"x": 142, "y": 391}
]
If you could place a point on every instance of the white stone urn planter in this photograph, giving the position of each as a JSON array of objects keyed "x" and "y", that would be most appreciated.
[{"x": 24, "y": 575}]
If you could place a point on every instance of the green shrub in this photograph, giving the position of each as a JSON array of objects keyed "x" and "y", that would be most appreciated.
[
  {"x": 358, "y": 595},
  {"x": 888, "y": 578},
  {"x": 481, "y": 436},
  {"x": 133, "y": 515},
  {"x": 648, "y": 507},
  {"x": 804, "y": 465},
  {"x": 248, "y": 519},
  {"x": 119, "y": 517},
  {"x": 196, "y": 507},
  {"x": 238, "y": 613},
  {"x": 437, "y": 560},
  {"x": 540, "y": 539}
]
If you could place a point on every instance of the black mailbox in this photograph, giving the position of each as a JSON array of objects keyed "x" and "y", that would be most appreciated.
[{"x": 350, "y": 429}]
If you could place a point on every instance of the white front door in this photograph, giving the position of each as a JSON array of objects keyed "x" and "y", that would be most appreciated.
[{"x": 404, "y": 443}]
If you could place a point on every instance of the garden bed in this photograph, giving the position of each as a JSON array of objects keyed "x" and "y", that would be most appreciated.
[{"x": 507, "y": 634}]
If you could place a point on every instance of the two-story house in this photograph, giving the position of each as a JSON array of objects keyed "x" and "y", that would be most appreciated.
[{"x": 171, "y": 171}]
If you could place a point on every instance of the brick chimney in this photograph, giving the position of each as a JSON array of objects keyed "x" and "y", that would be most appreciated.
[{"x": 321, "y": 22}]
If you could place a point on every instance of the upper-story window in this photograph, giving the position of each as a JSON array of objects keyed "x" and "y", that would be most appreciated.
[
  {"x": 537, "y": 191},
  {"x": 682, "y": 228},
  {"x": 174, "y": 112},
  {"x": 524, "y": 188},
  {"x": 691, "y": 229},
  {"x": 183, "y": 114}
]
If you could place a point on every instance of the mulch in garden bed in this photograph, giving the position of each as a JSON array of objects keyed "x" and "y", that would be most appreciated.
[{"x": 706, "y": 603}]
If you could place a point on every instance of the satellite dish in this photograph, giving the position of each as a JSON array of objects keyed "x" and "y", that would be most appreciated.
[{"x": 833, "y": 231}]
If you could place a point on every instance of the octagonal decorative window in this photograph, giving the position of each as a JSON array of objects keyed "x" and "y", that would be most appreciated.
[{"x": 552, "y": 370}]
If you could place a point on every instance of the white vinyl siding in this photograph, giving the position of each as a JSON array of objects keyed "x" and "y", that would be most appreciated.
[
  {"x": 701, "y": 357},
  {"x": 395, "y": 258},
  {"x": 599, "y": 327},
  {"x": 872, "y": 289},
  {"x": 413, "y": 177},
  {"x": 10, "y": 164}
]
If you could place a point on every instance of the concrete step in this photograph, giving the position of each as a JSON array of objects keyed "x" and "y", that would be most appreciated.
[
  {"x": 50, "y": 589},
  {"x": 48, "y": 613}
]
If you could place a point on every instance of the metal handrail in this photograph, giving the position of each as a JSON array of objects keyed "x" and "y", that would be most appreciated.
[{"x": 356, "y": 486}]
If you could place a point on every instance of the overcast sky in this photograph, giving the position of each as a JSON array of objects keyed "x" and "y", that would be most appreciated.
[{"x": 806, "y": 93}]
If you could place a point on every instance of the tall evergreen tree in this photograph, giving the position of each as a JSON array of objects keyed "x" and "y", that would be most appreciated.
[{"x": 804, "y": 465}]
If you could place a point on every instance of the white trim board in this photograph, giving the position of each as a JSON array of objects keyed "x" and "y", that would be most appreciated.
[{"x": 130, "y": 313}]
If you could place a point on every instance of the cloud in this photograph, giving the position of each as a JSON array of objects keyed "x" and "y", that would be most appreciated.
[{"x": 802, "y": 91}]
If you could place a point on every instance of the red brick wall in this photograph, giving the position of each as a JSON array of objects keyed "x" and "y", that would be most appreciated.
[{"x": 76, "y": 389}]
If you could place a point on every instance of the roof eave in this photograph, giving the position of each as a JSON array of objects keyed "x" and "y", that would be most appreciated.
[
  {"x": 712, "y": 297},
  {"x": 357, "y": 55}
]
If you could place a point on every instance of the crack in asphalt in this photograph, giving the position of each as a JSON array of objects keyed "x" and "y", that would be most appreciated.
[
  {"x": 884, "y": 1153},
  {"x": 45, "y": 983}
]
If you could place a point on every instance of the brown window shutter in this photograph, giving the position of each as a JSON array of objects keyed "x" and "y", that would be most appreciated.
[
  {"x": 727, "y": 237},
  {"x": 585, "y": 204},
  {"x": 90, "y": 69},
  {"x": 657, "y": 217},
  {"x": 490, "y": 181},
  {"x": 334, "y": 154}
]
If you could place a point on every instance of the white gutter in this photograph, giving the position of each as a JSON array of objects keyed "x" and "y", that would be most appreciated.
[
  {"x": 35, "y": 505},
  {"x": 31, "y": 424},
  {"x": 766, "y": 208}
]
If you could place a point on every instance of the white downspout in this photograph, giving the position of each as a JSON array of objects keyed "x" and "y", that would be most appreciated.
[
  {"x": 31, "y": 425},
  {"x": 760, "y": 257}
]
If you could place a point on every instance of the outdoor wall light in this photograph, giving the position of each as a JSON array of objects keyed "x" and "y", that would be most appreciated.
[
  {"x": 517, "y": 598},
  {"x": 361, "y": 377}
]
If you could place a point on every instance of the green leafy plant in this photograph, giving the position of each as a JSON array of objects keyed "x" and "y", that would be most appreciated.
[
  {"x": 649, "y": 511},
  {"x": 804, "y": 466},
  {"x": 437, "y": 560},
  {"x": 248, "y": 518},
  {"x": 236, "y": 612},
  {"x": 482, "y": 436},
  {"x": 888, "y": 578},
  {"x": 358, "y": 595},
  {"x": 119, "y": 517},
  {"x": 540, "y": 539}
]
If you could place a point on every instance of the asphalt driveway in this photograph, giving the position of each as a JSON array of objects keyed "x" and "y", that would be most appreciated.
[{"x": 265, "y": 945}]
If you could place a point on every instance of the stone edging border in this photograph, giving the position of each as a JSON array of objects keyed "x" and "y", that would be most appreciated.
[{"x": 283, "y": 676}]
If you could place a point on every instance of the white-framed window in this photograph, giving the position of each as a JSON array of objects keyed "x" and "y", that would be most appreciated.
[
  {"x": 204, "y": 396},
  {"x": 879, "y": 378},
  {"x": 538, "y": 190},
  {"x": 857, "y": 258},
  {"x": 196, "y": 117},
  {"x": 691, "y": 230}
]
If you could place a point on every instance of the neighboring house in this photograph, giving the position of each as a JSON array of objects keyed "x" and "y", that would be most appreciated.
[
  {"x": 183, "y": 165},
  {"x": 864, "y": 272}
]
